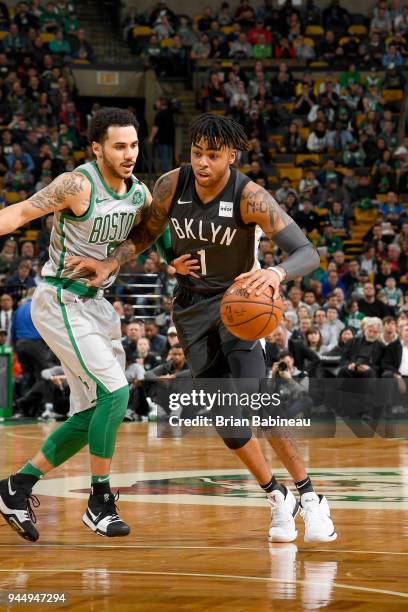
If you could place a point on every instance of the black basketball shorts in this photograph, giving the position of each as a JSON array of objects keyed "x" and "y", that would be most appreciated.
[{"x": 207, "y": 343}]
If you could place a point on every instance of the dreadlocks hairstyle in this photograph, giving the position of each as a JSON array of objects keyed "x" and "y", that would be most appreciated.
[
  {"x": 219, "y": 132},
  {"x": 106, "y": 117}
]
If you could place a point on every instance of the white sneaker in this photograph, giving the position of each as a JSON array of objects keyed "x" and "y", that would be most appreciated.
[
  {"x": 49, "y": 415},
  {"x": 284, "y": 508},
  {"x": 129, "y": 416},
  {"x": 317, "y": 584},
  {"x": 316, "y": 514},
  {"x": 283, "y": 570}
]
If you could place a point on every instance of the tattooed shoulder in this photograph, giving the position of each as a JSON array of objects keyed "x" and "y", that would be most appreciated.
[
  {"x": 54, "y": 196},
  {"x": 162, "y": 189},
  {"x": 165, "y": 186},
  {"x": 259, "y": 206}
]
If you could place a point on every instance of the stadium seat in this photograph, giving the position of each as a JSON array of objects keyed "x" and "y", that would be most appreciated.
[
  {"x": 31, "y": 235},
  {"x": 226, "y": 30},
  {"x": 309, "y": 41},
  {"x": 47, "y": 37},
  {"x": 78, "y": 155},
  {"x": 3, "y": 34},
  {"x": 288, "y": 105},
  {"x": 167, "y": 42},
  {"x": 12, "y": 197},
  {"x": 142, "y": 31},
  {"x": 392, "y": 95},
  {"x": 368, "y": 216},
  {"x": 304, "y": 132},
  {"x": 314, "y": 30},
  {"x": 295, "y": 174},
  {"x": 276, "y": 138},
  {"x": 319, "y": 64},
  {"x": 357, "y": 29},
  {"x": 313, "y": 157}
]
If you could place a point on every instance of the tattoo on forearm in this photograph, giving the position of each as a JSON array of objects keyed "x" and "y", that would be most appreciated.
[
  {"x": 123, "y": 253},
  {"x": 260, "y": 202},
  {"x": 52, "y": 196},
  {"x": 151, "y": 226}
]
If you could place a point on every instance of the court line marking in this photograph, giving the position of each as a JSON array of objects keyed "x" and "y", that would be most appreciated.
[
  {"x": 225, "y": 548},
  {"x": 104, "y": 571},
  {"x": 15, "y": 435}
]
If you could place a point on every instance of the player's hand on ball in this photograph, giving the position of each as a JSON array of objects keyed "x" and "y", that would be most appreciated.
[
  {"x": 185, "y": 264},
  {"x": 259, "y": 281},
  {"x": 87, "y": 267}
]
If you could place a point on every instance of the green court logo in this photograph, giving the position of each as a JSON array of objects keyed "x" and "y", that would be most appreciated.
[{"x": 358, "y": 488}]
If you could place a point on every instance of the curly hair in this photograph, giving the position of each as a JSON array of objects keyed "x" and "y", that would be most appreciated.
[
  {"x": 107, "y": 117},
  {"x": 219, "y": 132}
]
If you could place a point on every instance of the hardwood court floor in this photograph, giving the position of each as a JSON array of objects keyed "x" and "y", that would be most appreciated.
[{"x": 199, "y": 528}]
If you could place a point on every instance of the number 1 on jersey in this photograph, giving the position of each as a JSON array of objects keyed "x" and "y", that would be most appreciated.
[{"x": 203, "y": 264}]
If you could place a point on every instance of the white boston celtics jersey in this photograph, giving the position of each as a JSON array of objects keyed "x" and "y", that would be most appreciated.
[{"x": 106, "y": 224}]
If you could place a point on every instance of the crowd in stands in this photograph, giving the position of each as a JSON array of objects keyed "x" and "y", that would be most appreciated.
[{"x": 329, "y": 145}]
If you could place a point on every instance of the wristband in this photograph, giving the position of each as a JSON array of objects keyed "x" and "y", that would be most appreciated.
[{"x": 279, "y": 272}]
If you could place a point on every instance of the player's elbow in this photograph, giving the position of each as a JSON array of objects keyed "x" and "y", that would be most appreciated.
[
  {"x": 314, "y": 258},
  {"x": 310, "y": 257}
]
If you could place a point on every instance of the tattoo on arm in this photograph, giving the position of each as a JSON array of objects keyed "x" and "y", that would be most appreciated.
[
  {"x": 54, "y": 195},
  {"x": 151, "y": 226},
  {"x": 260, "y": 207}
]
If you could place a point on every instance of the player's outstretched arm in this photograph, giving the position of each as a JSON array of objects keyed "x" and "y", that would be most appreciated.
[
  {"x": 69, "y": 190},
  {"x": 258, "y": 206},
  {"x": 153, "y": 222}
]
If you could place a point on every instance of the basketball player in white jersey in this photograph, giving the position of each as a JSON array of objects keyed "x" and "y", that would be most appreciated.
[{"x": 94, "y": 207}]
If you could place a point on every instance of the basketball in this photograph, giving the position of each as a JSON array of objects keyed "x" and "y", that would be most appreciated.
[{"x": 249, "y": 316}]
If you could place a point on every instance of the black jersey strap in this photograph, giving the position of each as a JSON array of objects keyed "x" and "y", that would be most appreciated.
[
  {"x": 241, "y": 181},
  {"x": 182, "y": 184}
]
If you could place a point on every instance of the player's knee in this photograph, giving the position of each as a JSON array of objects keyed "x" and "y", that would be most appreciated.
[
  {"x": 236, "y": 443},
  {"x": 115, "y": 401},
  {"x": 121, "y": 401}
]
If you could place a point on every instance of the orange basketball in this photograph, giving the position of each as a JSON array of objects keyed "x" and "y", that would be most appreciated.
[{"x": 250, "y": 316}]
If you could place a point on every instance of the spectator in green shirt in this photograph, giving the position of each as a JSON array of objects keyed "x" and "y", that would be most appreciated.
[
  {"x": 49, "y": 20},
  {"x": 263, "y": 49},
  {"x": 329, "y": 240},
  {"x": 71, "y": 24},
  {"x": 350, "y": 76},
  {"x": 59, "y": 46}
]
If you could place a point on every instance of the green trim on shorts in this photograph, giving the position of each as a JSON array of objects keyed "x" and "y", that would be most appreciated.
[
  {"x": 74, "y": 344},
  {"x": 73, "y": 286}
]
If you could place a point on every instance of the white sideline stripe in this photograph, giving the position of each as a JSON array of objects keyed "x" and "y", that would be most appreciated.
[{"x": 104, "y": 571}]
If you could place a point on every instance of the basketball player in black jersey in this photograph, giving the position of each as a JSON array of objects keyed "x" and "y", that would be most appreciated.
[{"x": 213, "y": 212}]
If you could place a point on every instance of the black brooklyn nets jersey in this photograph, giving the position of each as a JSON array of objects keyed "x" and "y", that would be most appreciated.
[{"x": 213, "y": 233}]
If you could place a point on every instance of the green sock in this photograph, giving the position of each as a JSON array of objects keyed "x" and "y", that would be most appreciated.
[
  {"x": 31, "y": 470},
  {"x": 100, "y": 484}
]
